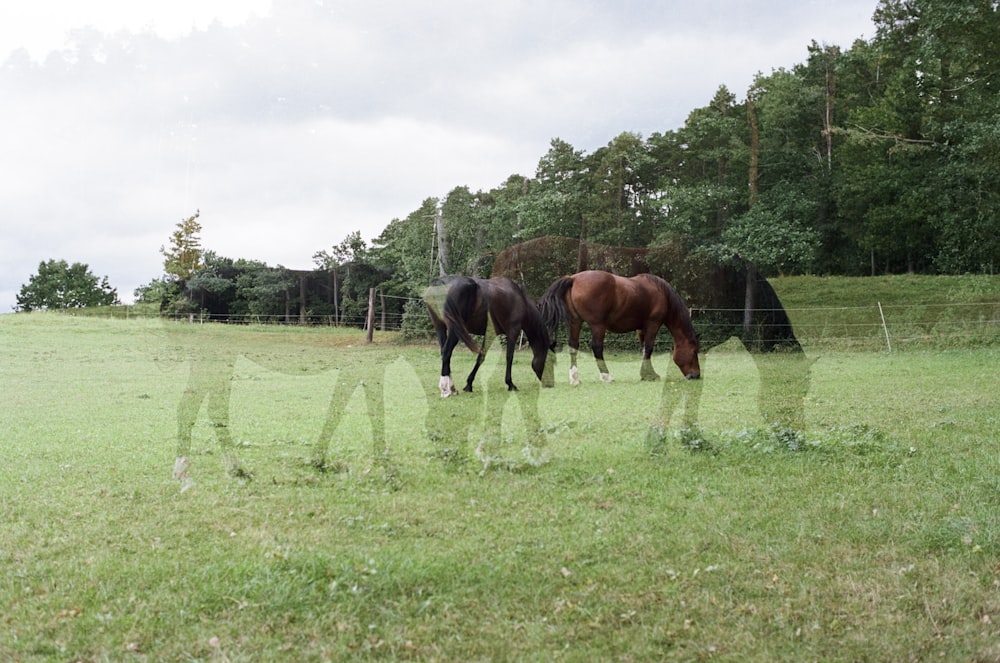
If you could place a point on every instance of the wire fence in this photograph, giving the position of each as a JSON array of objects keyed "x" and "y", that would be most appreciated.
[
  {"x": 899, "y": 326},
  {"x": 874, "y": 327}
]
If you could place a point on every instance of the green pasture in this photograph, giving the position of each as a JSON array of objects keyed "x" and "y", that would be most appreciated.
[
  {"x": 913, "y": 310},
  {"x": 725, "y": 520}
]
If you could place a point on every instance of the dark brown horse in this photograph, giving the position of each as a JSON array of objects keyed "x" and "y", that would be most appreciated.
[
  {"x": 610, "y": 303},
  {"x": 461, "y": 306}
]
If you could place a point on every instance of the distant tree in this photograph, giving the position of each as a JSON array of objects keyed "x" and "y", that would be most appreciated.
[
  {"x": 351, "y": 248},
  {"x": 213, "y": 281},
  {"x": 183, "y": 258},
  {"x": 59, "y": 285},
  {"x": 623, "y": 206},
  {"x": 558, "y": 202},
  {"x": 705, "y": 182},
  {"x": 774, "y": 236},
  {"x": 265, "y": 290},
  {"x": 158, "y": 291},
  {"x": 406, "y": 245},
  {"x": 474, "y": 228}
]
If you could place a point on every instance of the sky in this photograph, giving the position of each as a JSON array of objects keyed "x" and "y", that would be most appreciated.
[{"x": 289, "y": 124}]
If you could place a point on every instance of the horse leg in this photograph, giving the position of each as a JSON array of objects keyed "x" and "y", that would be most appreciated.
[
  {"x": 448, "y": 426},
  {"x": 531, "y": 418},
  {"x": 339, "y": 397},
  {"x": 687, "y": 394},
  {"x": 597, "y": 345},
  {"x": 210, "y": 378},
  {"x": 784, "y": 385},
  {"x": 488, "y": 336},
  {"x": 187, "y": 414},
  {"x": 647, "y": 339},
  {"x": 475, "y": 369},
  {"x": 218, "y": 413},
  {"x": 488, "y": 448},
  {"x": 494, "y": 448},
  {"x": 510, "y": 362},
  {"x": 445, "y": 384},
  {"x": 574, "y": 348},
  {"x": 441, "y": 332},
  {"x": 375, "y": 405},
  {"x": 350, "y": 377}
]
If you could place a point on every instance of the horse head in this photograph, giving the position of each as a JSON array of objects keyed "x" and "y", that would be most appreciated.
[
  {"x": 543, "y": 358},
  {"x": 686, "y": 357}
]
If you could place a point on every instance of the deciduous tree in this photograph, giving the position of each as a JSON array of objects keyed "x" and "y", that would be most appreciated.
[
  {"x": 183, "y": 258},
  {"x": 59, "y": 285}
]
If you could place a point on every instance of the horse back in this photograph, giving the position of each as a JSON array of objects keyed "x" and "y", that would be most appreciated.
[
  {"x": 509, "y": 304},
  {"x": 467, "y": 304},
  {"x": 620, "y": 304}
]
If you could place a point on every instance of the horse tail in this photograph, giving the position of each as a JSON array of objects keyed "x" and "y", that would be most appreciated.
[
  {"x": 777, "y": 328},
  {"x": 552, "y": 305},
  {"x": 459, "y": 306}
]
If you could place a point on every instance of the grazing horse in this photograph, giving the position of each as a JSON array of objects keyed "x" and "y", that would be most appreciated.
[
  {"x": 460, "y": 306},
  {"x": 608, "y": 302},
  {"x": 721, "y": 297},
  {"x": 212, "y": 356}
]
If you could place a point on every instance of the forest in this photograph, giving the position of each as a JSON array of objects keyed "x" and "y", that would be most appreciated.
[{"x": 879, "y": 158}]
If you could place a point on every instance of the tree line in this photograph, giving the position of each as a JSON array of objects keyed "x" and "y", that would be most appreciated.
[{"x": 880, "y": 158}]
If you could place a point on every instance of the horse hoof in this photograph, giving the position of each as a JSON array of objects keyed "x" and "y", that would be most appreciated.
[
  {"x": 447, "y": 386},
  {"x": 606, "y": 377},
  {"x": 181, "y": 466}
]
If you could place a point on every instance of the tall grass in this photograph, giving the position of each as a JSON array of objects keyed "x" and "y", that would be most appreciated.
[
  {"x": 632, "y": 529},
  {"x": 913, "y": 311}
]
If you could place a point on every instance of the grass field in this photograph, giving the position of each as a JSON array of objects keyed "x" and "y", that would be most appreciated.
[{"x": 859, "y": 523}]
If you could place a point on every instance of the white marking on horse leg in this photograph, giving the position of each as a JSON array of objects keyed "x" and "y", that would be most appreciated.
[
  {"x": 602, "y": 367},
  {"x": 574, "y": 372},
  {"x": 181, "y": 467},
  {"x": 447, "y": 386}
]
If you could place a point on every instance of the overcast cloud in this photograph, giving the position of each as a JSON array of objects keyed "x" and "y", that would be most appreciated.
[{"x": 291, "y": 123}]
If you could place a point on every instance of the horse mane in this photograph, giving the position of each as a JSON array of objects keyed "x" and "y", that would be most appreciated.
[
  {"x": 532, "y": 324},
  {"x": 677, "y": 309}
]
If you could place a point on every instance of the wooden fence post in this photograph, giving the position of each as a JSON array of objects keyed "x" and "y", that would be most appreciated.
[
  {"x": 371, "y": 314},
  {"x": 381, "y": 298}
]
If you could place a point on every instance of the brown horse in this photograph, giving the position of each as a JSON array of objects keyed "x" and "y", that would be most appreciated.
[
  {"x": 608, "y": 302},
  {"x": 460, "y": 306}
]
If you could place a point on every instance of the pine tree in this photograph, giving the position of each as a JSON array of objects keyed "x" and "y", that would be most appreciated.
[{"x": 184, "y": 257}]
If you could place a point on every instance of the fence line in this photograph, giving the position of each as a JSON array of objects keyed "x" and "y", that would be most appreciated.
[
  {"x": 849, "y": 327},
  {"x": 790, "y": 309}
]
